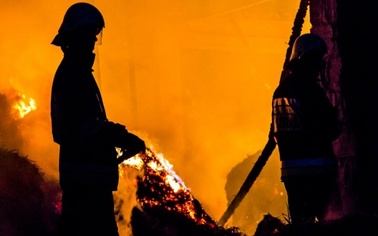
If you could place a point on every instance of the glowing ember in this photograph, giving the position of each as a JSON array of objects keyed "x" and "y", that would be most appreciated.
[
  {"x": 24, "y": 106},
  {"x": 159, "y": 186}
]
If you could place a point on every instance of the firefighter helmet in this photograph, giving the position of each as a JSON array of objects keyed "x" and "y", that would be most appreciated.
[
  {"x": 78, "y": 15},
  {"x": 306, "y": 44}
]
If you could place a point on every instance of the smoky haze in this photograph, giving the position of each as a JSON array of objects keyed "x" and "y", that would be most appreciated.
[{"x": 193, "y": 78}]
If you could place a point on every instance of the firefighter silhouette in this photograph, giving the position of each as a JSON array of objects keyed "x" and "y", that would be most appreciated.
[
  {"x": 88, "y": 165},
  {"x": 304, "y": 125}
]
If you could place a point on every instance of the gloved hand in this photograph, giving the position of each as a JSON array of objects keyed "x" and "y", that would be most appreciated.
[{"x": 131, "y": 145}]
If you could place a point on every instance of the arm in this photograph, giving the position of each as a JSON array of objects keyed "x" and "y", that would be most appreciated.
[{"x": 118, "y": 135}]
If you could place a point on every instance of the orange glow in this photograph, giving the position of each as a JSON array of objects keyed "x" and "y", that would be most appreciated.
[{"x": 194, "y": 77}]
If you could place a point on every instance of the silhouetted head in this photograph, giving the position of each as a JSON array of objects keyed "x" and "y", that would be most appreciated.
[
  {"x": 307, "y": 54},
  {"x": 81, "y": 24}
]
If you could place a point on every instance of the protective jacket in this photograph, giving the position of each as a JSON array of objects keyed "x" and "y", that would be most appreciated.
[
  {"x": 304, "y": 125},
  {"x": 80, "y": 126}
]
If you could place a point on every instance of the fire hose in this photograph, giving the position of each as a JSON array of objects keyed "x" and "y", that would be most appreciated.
[
  {"x": 271, "y": 144},
  {"x": 253, "y": 174}
]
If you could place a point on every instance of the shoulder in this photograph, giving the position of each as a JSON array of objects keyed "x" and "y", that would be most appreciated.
[{"x": 287, "y": 88}]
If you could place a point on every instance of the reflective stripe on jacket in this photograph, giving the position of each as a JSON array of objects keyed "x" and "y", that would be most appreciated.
[{"x": 313, "y": 166}]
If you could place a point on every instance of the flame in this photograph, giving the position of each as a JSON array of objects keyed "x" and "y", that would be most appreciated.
[
  {"x": 24, "y": 106},
  {"x": 160, "y": 186}
]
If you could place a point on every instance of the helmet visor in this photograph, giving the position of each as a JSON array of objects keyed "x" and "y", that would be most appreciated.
[{"x": 99, "y": 38}]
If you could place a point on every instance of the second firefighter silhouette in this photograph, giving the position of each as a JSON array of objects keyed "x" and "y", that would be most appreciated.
[
  {"x": 304, "y": 125},
  {"x": 88, "y": 165}
]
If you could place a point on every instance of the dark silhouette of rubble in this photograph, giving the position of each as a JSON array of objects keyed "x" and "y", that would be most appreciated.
[{"x": 29, "y": 205}]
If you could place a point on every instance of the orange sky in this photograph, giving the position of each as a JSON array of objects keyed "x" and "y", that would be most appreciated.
[{"x": 194, "y": 78}]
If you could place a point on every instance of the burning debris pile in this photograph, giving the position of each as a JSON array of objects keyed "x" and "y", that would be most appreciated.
[{"x": 166, "y": 206}]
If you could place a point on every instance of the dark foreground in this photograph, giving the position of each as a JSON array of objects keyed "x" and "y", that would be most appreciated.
[
  {"x": 30, "y": 205},
  {"x": 358, "y": 225}
]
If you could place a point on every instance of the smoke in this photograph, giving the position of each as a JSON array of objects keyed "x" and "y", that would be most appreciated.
[
  {"x": 9, "y": 126},
  {"x": 192, "y": 77}
]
